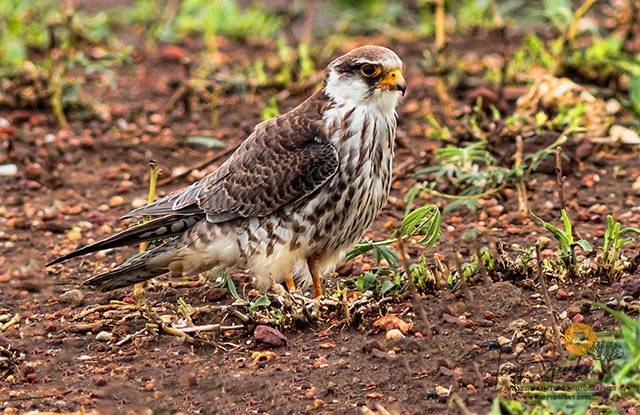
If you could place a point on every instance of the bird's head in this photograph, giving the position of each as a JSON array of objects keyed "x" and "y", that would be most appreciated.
[{"x": 367, "y": 75}]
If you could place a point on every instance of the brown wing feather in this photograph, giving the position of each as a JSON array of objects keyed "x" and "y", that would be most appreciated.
[{"x": 284, "y": 160}]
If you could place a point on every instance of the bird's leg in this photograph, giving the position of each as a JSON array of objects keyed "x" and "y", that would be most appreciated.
[
  {"x": 314, "y": 270},
  {"x": 290, "y": 283}
]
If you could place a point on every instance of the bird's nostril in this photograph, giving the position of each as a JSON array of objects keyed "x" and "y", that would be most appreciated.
[{"x": 393, "y": 75}]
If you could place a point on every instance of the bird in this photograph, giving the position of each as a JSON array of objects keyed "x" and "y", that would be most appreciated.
[{"x": 298, "y": 192}]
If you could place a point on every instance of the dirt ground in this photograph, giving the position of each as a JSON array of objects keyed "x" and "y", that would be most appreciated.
[{"x": 73, "y": 186}]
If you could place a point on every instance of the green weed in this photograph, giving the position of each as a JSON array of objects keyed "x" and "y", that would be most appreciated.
[
  {"x": 610, "y": 259},
  {"x": 566, "y": 243},
  {"x": 252, "y": 305}
]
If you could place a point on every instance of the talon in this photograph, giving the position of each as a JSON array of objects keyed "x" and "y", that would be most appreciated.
[
  {"x": 290, "y": 283},
  {"x": 317, "y": 286},
  {"x": 316, "y": 277}
]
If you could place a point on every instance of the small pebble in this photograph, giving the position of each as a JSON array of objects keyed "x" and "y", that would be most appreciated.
[
  {"x": 503, "y": 340},
  {"x": 544, "y": 242},
  {"x": 269, "y": 335},
  {"x": 393, "y": 334},
  {"x": 116, "y": 201},
  {"x": 75, "y": 297},
  {"x": 138, "y": 202},
  {"x": 636, "y": 186},
  {"x": 104, "y": 336}
]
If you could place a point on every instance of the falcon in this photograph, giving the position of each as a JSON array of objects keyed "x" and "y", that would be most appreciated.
[{"x": 296, "y": 194}]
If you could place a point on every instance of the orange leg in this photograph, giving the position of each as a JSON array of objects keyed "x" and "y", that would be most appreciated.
[
  {"x": 290, "y": 283},
  {"x": 315, "y": 277}
]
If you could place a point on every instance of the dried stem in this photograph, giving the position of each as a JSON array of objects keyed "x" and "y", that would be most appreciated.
[
  {"x": 569, "y": 36},
  {"x": 154, "y": 171},
  {"x": 439, "y": 44},
  {"x": 461, "y": 406},
  {"x": 14, "y": 320},
  {"x": 521, "y": 186},
  {"x": 547, "y": 300},
  {"x": 634, "y": 6},
  {"x": 504, "y": 47},
  {"x": 55, "y": 87},
  {"x": 211, "y": 327},
  {"x": 439, "y": 25},
  {"x": 560, "y": 177},
  {"x": 419, "y": 307}
]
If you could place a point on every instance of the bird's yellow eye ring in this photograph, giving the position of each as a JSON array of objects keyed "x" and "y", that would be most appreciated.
[{"x": 368, "y": 70}]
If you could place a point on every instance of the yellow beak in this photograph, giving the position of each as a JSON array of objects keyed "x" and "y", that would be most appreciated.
[{"x": 394, "y": 81}]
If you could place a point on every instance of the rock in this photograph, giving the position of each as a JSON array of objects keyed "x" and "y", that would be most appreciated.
[
  {"x": 495, "y": 211},
  {"x": 624, "y": 135},
  {"x": 116, "y": 201},
  {"x": 269, "y": 335},
  {"x": 631, "y": 287},
  {"x": 8, "y": 170},
  {"x": 393, "y": 334},
  {"x": 442, "y": 391},
  {"x": 138, "y": 202},
  {"x": 636, "y": 186},
  {"x": 104, "y": 336},
  {"x": 74, "y": 297},
  {"x": 612, "y": 106},
  {"x": 74, "y": 234},
  {"x": 573, "y": 310},
  {"x": 561, "y": 294},
  {"x": 320, "y": 362},
  {"x": 503, "y": 340}
]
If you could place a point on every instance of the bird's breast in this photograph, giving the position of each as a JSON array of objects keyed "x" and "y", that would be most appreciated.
[{"x": 348, "y": 204}]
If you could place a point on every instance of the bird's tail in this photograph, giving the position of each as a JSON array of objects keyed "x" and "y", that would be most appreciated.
[
  {"x": 163, "y": 227},
  {"x": 138, "y": 268}
]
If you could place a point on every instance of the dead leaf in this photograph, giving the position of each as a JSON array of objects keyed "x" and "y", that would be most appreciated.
[
  {"x": 265, "y": 356},
  {"x": 391, "y": 322}
]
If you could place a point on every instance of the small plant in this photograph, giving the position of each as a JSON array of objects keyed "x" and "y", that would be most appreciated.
[
  {"x": 270, "y": 110},
  {"x": 566, "y": 243},
  {"x": 609, "y": 260},
  {"x": 261, "y": 301},
  {"x": 40, "y": 44},
  {"x": 624, "y": 373},
  {"x": 424, "y": 221},
  {"x": 377, "y": 281},
  {"x": 473, "y": 172},
  {"x": 210, "y": 18}
]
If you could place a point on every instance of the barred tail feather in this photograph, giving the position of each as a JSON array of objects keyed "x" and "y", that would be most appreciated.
[
  {"x": 163, "y": 227},
  {"x": 139, "y": 268}
]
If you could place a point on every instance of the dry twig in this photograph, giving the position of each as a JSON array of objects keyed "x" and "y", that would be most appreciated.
[
  {"x": 547, "y": 300},
  {"x": 560, "y": 177}
]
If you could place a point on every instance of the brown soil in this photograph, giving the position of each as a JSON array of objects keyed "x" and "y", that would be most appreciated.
[{"x": 326, "y": 367}]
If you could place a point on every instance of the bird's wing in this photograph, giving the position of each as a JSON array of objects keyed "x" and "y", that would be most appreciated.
[{"x": 282, "y": 162}]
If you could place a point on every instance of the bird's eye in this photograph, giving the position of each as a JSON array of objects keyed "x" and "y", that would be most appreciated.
[{"x": 369, "y": 70}]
